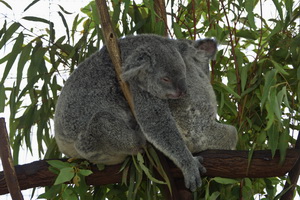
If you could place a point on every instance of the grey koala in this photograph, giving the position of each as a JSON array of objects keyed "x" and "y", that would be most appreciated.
[{"x": 174, "y": 104}]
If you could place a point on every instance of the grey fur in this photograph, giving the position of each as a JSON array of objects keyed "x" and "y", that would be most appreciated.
[{"x": 174, "y": 103}]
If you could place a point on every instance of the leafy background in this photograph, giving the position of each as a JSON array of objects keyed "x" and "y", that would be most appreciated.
[{"x": 256, "y": 75}]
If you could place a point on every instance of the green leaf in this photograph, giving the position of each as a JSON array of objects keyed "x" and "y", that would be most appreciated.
[
  {"x": 37, "y": 61},
  {"x": 283, "y": 144},
  {"x": 2, "y": 98},
  {"x": 24, "y": 57},
  {"x": 276, "y": 29},
  {"x": 249, "y": 6},
  {"x": 225, "y": 180},
  {"x": 214, "y": 195},
  {"x": 274, "y": 103},
  {"x": 59, "y": 164},
  {"x": 270, "y": 116},
  {"x": 228, "y": 89},
  {"x": 31, "y": 4},
  {"x": 270, "y": 80},
  {"x": 8, "y": 33},
  {"x": 279, "y": 67},
  {"x": 36, "y": 19},
  {"x": 65, "y": 24},
  {"x": 51, "y": 192},
  {"x": 6, "y": 4},
  {"x": 244, "y": 77},
  {"x": 273, "y": 135},
  {"x": 248, "y": 34},
  {"x": 278, "y": 8},
  {"x": 177, "y": 31},
  {"x": 146, "y": 170},
  {"x": 85, "y": 172},
  {"x": 63, "y": 9},
  {"x": 65, "y": 175},
  {"x": 13, "y": 55}
]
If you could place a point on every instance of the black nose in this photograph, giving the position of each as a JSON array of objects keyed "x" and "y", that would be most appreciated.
[{"x": 181, "y": 86}]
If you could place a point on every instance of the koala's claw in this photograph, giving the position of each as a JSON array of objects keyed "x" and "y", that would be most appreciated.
[
  {"x": 192, "y": 177},
  {"x": 201, "y": 167}
]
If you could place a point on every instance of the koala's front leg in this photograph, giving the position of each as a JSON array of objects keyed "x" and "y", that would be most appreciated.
[{"x": 159, "y": 128}]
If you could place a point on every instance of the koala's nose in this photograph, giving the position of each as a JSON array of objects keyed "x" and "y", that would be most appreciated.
[{"x": 181, "y": 86}]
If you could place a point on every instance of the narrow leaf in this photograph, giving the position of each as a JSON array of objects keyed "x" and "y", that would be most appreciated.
[
  {"x": 273, "y": 136},
  {"x": 13, "y": 55},
  {"x": 24, "y": 57},
  {"x": 279, "y": 9},
  {"x": 8, "y": 33},
  {"x": 65, "y": 24},
  {"x": 31, "y": 4},
  {"x": 63, "y": 9},
  {"x": 6, "y": 4},
  {"x": 270, "y": 79},
  {"x": 2, "y": 98},
  {"x": 225, "y": 180},
  {"x": 36, "y": 19}
]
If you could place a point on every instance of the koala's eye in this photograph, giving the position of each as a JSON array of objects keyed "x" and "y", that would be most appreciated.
[
  {"x": 142, "y": 57},
  {"x": 166, "y": 79}
]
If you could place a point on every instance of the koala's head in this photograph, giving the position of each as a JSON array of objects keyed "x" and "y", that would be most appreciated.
[
  {"x": 198, "y": 52},
  {"x": 158, "y": 69}
]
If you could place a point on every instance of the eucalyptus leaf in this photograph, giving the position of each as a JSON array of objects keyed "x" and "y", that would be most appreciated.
[
  {"x": 36, "y": 19},
  {"x": 225, "y": 180},
  {"x": 65, "y": 175}
]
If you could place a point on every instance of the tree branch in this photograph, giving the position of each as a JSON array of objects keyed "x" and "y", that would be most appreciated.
[
  {"x": 113, "y": 48},
  {"x": 221, "y": 163},
  {"x": 293, "y": 176},
  {"x": 9, "y": 177}
]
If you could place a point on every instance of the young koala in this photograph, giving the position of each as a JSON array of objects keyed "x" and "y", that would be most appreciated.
[{"x": 174, "y": 104}]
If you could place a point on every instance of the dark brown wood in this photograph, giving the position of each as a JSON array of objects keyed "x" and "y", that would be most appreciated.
[
  {"x": 167, "y": 194},
  {"x": 9, "y": 177},
  {"x": 230, "y": 164},
  {"x": 292, "y": 177}
]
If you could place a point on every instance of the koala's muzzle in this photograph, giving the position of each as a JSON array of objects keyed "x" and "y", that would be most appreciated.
[{"x": 181, "y": 89}]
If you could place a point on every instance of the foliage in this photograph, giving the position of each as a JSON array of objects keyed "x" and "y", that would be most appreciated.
[{"x": 256, "y": 77}]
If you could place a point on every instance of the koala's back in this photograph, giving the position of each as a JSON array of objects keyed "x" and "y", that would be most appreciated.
[{"x": 90, "y": 88}]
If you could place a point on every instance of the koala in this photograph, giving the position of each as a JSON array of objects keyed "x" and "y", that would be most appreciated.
[{"x": 174, "y": 105}]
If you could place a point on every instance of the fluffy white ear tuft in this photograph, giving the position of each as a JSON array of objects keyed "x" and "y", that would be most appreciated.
[{"x": 207, "y": 45}]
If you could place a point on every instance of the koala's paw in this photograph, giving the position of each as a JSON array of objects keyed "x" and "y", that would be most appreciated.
[
  {"x": 232, "y": 137},
  {"x": 192, "y": 178}
]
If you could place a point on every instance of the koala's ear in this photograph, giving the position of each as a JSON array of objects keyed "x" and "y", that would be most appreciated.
[
  {"x": 136, "y": 66},
  {"x": 133, "y": 73},
  {"x": 209, "y": 46}
]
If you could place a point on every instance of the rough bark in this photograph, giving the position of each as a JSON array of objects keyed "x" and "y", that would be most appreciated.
[
  {"x": 230, "y": 164},
  {"x": 8, "y": 177}
]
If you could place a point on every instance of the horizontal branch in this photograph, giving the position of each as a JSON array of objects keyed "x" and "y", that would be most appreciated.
[{"x": 229, "y": 164}]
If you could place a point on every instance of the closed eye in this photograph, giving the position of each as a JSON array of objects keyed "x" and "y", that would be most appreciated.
[{"x": 166, "y": 79}]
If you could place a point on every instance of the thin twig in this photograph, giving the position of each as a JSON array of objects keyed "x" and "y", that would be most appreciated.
[{"x": 238, "y": 78}]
